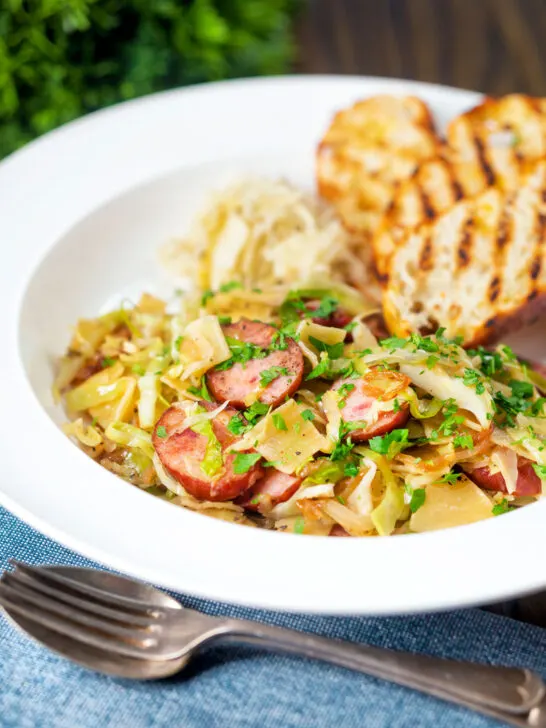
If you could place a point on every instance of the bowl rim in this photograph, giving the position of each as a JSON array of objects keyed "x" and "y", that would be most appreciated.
[{"x": 173, "y": 547}]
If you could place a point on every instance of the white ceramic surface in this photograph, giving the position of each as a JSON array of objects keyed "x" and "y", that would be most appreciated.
[{"x": 82, "y": 212}]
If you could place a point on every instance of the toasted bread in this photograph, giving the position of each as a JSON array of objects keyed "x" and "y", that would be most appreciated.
[
  {"x": 432, "y": 189},
  {"x": 478, "y": 269},
  {"x": 367, "y": 150},
  {"x": 490, "y": 144}
]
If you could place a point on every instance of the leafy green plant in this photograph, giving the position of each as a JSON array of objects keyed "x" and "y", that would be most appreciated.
[{"x": 62, "y": 58}]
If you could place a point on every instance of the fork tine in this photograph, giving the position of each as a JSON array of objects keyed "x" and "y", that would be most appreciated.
[
  {"x": 77, "y": 630},
  {"x": 21, "y": 579},
  {"x": 109, "y": 599},
  {"x": 73, "y": 631}
]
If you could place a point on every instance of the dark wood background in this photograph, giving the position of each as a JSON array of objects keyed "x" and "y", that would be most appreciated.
[{"x": 494, "y": 46}]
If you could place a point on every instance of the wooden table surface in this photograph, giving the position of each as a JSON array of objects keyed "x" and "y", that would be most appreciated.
[{"x": 494, "y": 46}]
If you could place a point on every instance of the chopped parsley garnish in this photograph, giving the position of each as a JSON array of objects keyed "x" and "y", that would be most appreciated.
[
  {"x": 241, "y": 353},
  {"x": 501, "y": 507},
  {"x": 328, "y": 305},
  {"x": 473, "y": 379},
  {"x": 201, "y": 391},
  {"x": 308, "y": 415},
  {"x": 330, "y": 370},
  {"x": 178, "y": 342},
  {"x": 299, "y": 525},
  {"x": 322, "y": 369},
  {"x": 269, "y": 375},
  {"x": 540, "y": 470},
  {"x": 517, "y": 402},
  {"x": 255, "y": 411},
  {"x": 334, "y": 351},
  {"x": 107, "y": 362},
  {"x": 522, "y": 390},
  {"x": 463, "y": 441},
  {"x": 418, "y": 497},
  {"x": 161, "y": 432},
  {"x": 431, "y": 361},
  {"x": 424, "y": 342},
  {"x": 278, "y": 421},
  {"x": 350, "y": 326},
  {"x": 340, "y": 500},
  {"x": 490, "y": 362},
  {"x": 207, "y": 295},
  {"x": 537, "y": 407},
  {"x": 224, "y": 320},
  {"x": 451, "y": 420},
  {"x": 509, "y": 353},
  {"x": 393, "y": 342},
  {"x": 230, "y": 286},
  {"x": 138, "y": 369},
  {"x": 344, "y": 390},
  {"x": 350, "y": 469},
  {"x": 390, "y": 444},
  {"x": 342, "y": 448},
  {"x": 243, "y": 461},
  {"x": 450, "y": 478},
  {"x": 237, "y": 425},
  {"x": 396, "y": 405},
  {"x": 279, "y": 341}
]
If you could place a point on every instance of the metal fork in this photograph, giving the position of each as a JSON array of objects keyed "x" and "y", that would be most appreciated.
[{"x": 122, "y": 627}]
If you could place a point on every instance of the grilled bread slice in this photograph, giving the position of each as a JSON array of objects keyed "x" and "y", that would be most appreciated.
[
  {"x": 431, "y": 190},
  {"x": 490, "y": 144},
  {"x": 367, "y": 150},
  {"x": 478, "y": 269},
  {"x": 493, "y": 144}
]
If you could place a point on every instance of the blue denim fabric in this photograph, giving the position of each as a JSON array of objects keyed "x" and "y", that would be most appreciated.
[{"x": 246, "y": 688}]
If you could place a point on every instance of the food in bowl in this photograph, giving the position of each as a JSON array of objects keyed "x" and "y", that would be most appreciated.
[
  {"x": 297, "y": 413},
  {"x": 274, "y": 396}
]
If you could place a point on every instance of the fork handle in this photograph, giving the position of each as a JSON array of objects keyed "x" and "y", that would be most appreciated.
[{"x": 504, "y": 692}]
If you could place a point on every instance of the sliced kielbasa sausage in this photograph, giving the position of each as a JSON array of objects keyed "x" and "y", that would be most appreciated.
[
  {"x": 275, "y": 487},
  {"x": 528, "y": 482},
  {"x": 182, "y": 452},
  {"x": 282, "y": 369},
  {"x": 357, "y": 406}
]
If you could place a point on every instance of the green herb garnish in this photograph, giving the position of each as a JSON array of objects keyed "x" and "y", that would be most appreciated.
[
  {"x": 279, "y": 422},
  {"x": 243, "y": 461},
  {"x": 418, "y": 497},
  {"x": 334, "y": 351},
  {"x": 269, "y": 375},
  {"x": 501, "y": 507},
  {"x": 390, "y": 444}
]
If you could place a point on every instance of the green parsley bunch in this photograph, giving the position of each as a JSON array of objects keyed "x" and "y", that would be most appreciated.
[{"x": 62, "y": 58}]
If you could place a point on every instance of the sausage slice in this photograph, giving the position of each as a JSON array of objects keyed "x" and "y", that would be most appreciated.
[
  {"x": 182, "y": 452},
  {"x": 241, "y": 380},
  {"x": 528, "y": 482},
  {"x": 357, "y": 408},
  {"x": 275, "y": 487}
]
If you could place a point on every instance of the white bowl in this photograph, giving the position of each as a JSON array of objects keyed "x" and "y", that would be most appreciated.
[{"x": 82, "y": 213}]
